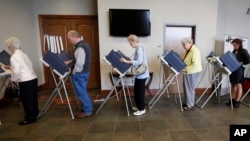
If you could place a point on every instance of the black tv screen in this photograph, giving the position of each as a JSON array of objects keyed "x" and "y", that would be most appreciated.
[{"x": 123, "y": 22}]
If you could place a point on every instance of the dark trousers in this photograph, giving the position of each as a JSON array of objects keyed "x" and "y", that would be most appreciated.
[
  {"x": 139, "y": 93},
  {"x": 28, "y": 93}
]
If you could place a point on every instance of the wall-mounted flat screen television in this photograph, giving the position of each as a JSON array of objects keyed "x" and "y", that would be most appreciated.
[{"x": 123, "y": 22}]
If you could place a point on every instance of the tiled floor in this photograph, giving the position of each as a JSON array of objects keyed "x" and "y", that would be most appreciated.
[{"x": 164, "y": 122}]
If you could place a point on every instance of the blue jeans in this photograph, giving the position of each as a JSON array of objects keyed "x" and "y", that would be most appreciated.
[{"x": 80, "y": 82}]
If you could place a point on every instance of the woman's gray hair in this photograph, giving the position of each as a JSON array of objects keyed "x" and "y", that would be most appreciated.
[
  {"x": 187, "y": 40},
  {"x": 133, "y": 38},
  {"x": 13, "y": 42}
]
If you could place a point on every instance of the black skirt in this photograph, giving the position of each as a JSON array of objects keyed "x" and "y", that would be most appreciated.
[{"x": 237, "y": 76}]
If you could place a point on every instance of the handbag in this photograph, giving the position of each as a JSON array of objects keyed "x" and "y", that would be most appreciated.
[
  {"x": 140, "y": 69},
  {"x": 12, "y": 91}
]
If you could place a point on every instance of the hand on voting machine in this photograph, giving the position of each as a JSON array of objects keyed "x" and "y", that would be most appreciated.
[
  {"x": 123, "y": 55},
  {"x": 114, "y": 58},
  {"x": 56, "y": 62}
]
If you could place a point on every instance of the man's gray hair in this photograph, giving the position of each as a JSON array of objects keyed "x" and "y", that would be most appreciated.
[{"x": 73, "y": 33}]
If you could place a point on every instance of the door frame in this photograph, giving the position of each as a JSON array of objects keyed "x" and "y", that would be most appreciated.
[{"x": 178, "y": 50}]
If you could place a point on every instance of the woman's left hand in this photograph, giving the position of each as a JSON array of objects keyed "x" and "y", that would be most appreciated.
[{"x": 123, "y": 60}]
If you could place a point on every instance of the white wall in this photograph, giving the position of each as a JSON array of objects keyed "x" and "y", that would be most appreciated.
[
  {"x": 232, "y": 20},
  {"x": 192, "y": 12},
  {"x": 238, "y": 22},
  {"x": 65, "y": 7}
]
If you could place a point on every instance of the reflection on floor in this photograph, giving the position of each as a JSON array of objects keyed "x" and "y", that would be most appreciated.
[{"x": 165, "y": 122}]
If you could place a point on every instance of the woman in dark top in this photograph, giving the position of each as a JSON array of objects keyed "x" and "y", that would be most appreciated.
[{"x": 237, "y": 77}]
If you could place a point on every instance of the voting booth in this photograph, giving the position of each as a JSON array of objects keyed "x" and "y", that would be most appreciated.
[
  {"x": 173, "y": 62},
  {"x": 54, "y": 59},
  {"x": 113, "y": 60},
  {"x": 225, "y": 64}
]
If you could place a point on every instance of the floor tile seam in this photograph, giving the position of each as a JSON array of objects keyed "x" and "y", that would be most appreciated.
[
  {"x": 11, "y": 136},
  {"x": 166, "y": 128},
  {"x": 187, "y": 122},
  {"x": 193, "y": 129},
  {"x": 91, "y": 123},
  {"x": 58, "y": 133},
  {"x": 200, "y": 117},
  {"x": 225, "y": 134},
  {"x": 155, "y": 131},
  {"x": 210, "y": 116},
  {"x": 33, "y": 131},
  {"x": 201, "y": 127},
  {"x": 84, "y": 135},
  {"x": 65, "y": 126},
  {"x": 116, "y": 121},
  {"x": 173, "y": 118},
  {"x": 140, "y": 124},
  {"x": 209, "y": 120},
  {"x": 200, "y": 137}
]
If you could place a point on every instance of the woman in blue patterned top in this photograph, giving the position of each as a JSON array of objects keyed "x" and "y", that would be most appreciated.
[{"x": 139, "y": 86}]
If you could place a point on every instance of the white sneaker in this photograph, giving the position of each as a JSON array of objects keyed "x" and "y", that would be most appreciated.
[
  {"x": 134, "y": 108},
  {"x": 138, "y": 113}
]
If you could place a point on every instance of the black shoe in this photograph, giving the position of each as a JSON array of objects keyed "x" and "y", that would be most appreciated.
[
  {"x": 229, "y": 102},
  {"x": 236, "y": 105},
  {"x": 184, "y": 105},
  {"x": 25, "y": 122}
]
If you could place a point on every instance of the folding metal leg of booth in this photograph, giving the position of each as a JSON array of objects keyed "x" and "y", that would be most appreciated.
[
  {"x": 119, "y": 82},
  {"x": 4, "y": 79},
  {"x": 163, "y": 89},
  {"x": 244, "y": 96},
  {"x": 217, "y": 86},
  {"x": 57, "y": 91}
]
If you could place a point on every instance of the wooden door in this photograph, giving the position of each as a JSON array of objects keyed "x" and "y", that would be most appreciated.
[{"x": 60, "y": 25}]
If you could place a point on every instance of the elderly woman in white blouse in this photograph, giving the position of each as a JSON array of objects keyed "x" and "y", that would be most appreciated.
[{"x": 23, "y": 73}]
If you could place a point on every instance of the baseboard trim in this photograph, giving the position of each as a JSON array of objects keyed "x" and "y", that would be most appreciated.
[{"x": 198, "y": 91}]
